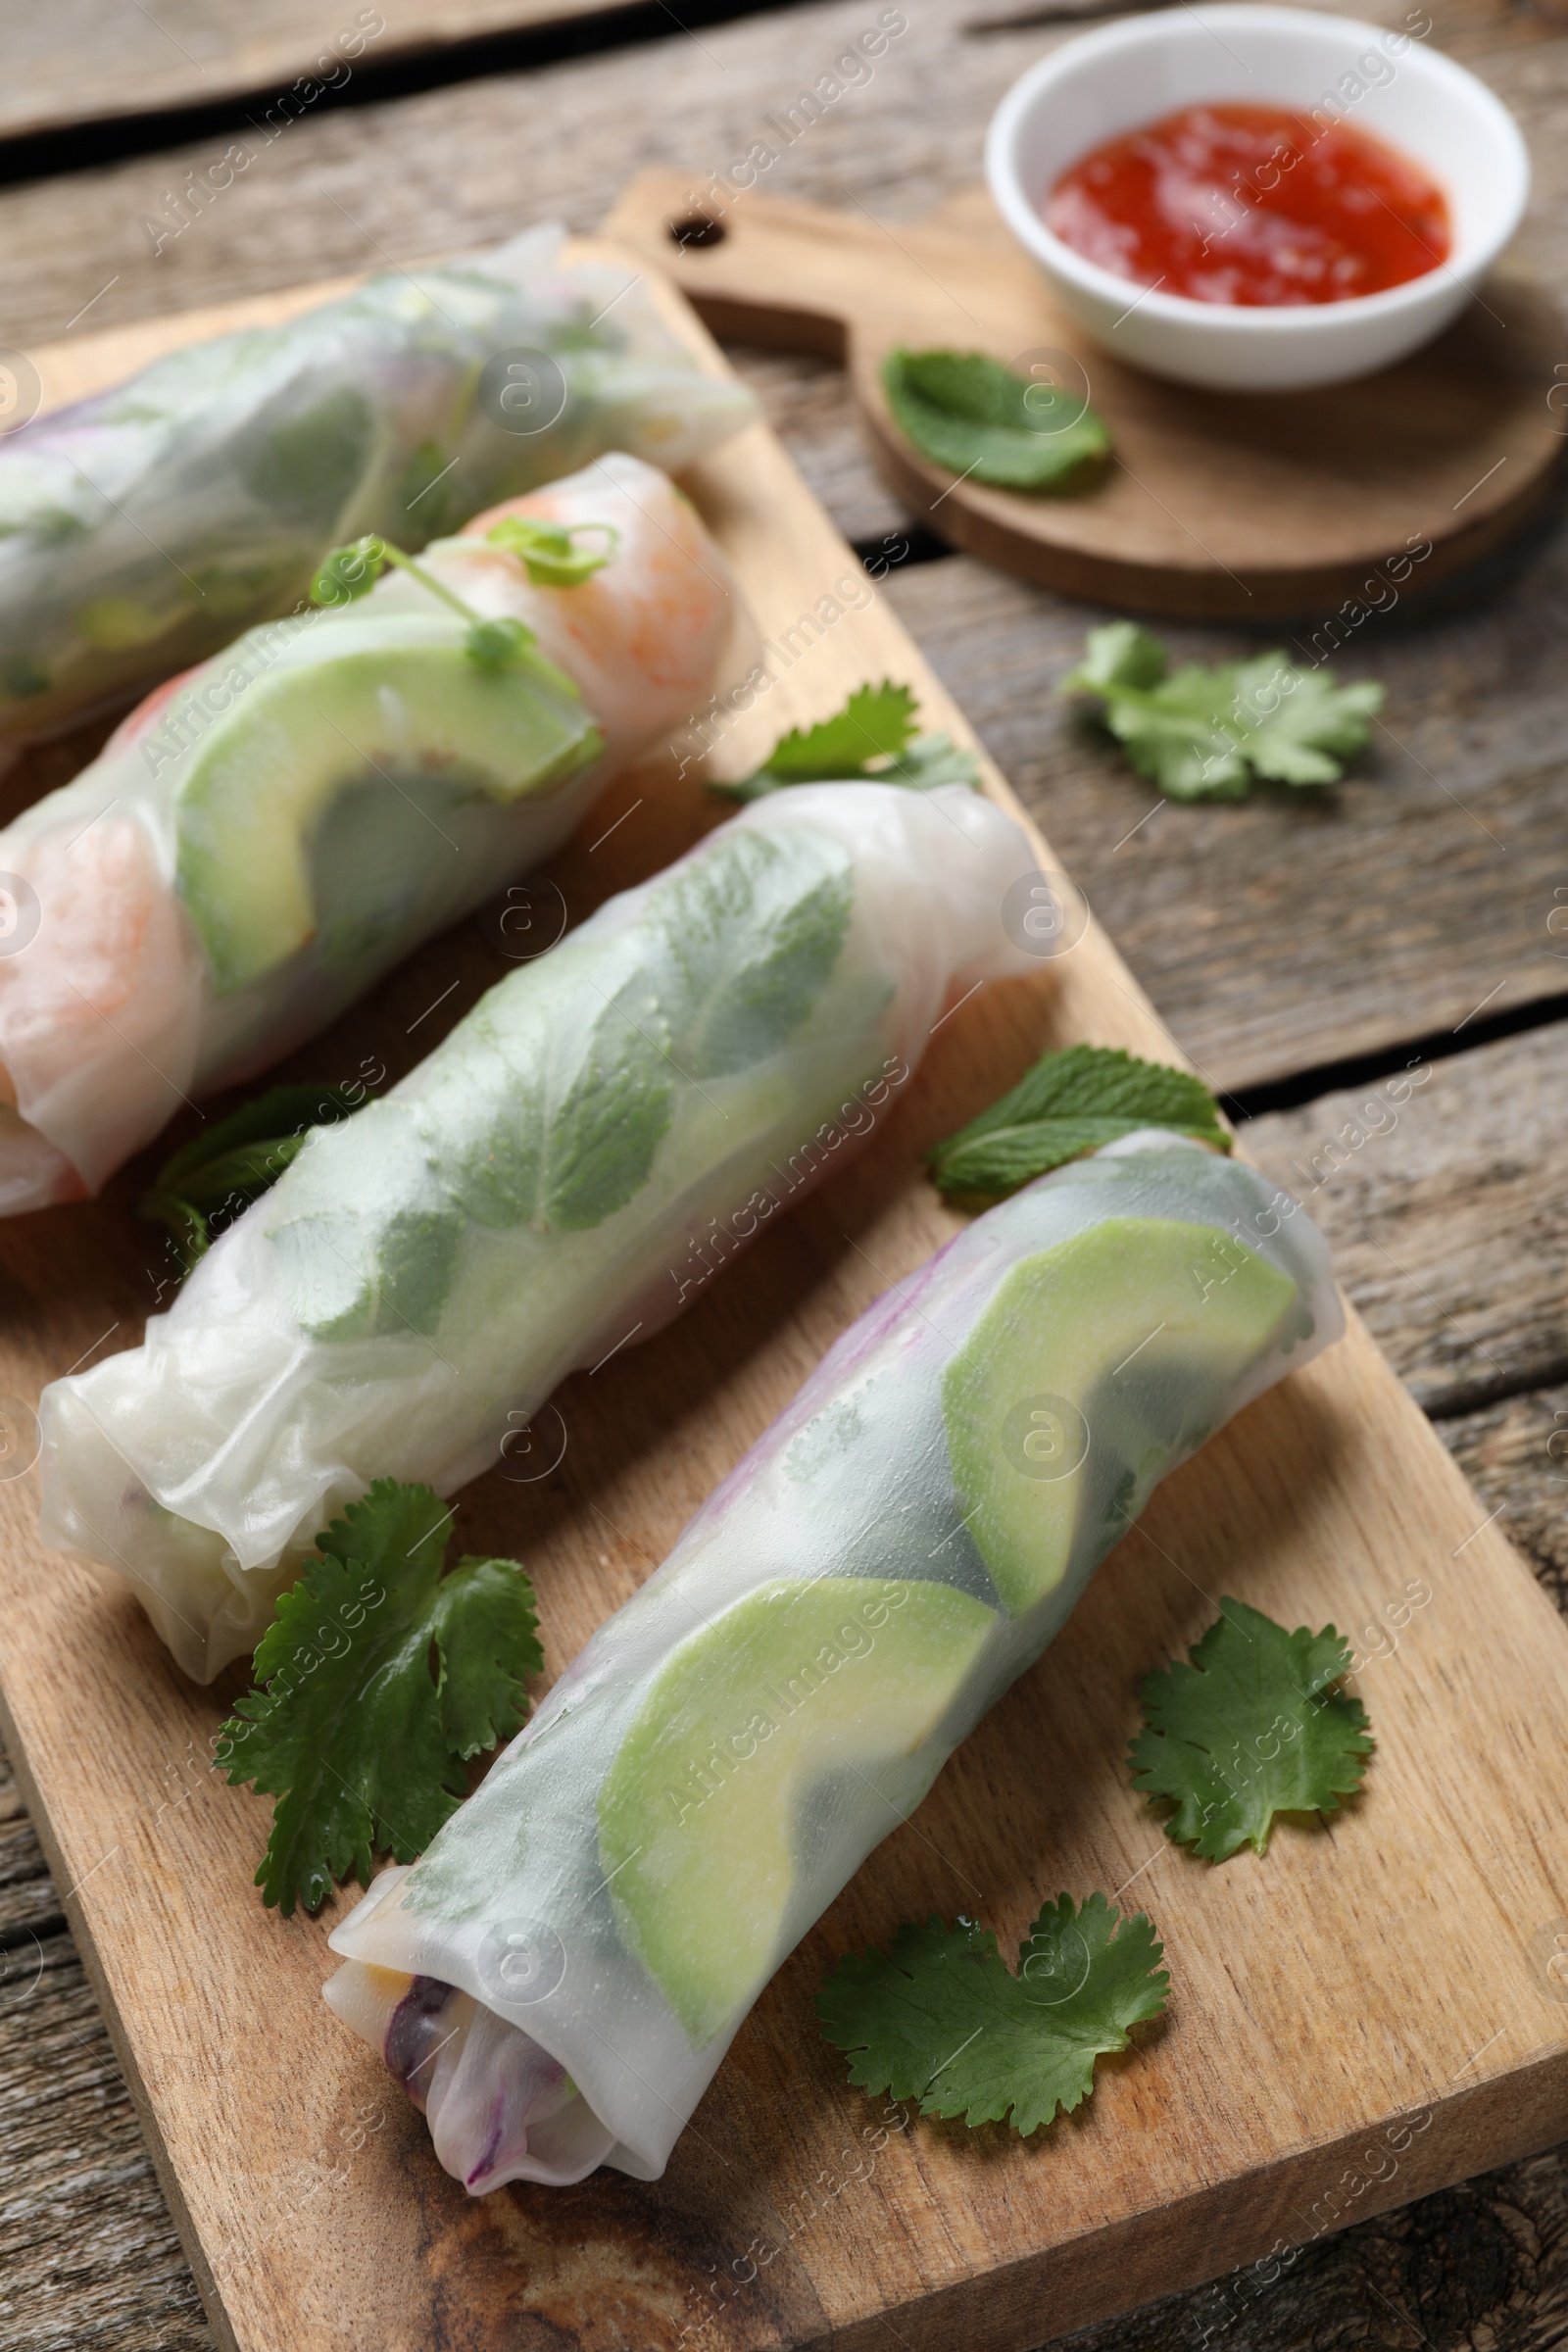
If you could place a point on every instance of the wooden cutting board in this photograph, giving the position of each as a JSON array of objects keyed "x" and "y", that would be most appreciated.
[
  {"x": 1363, "y": 2015},
  {"x": 1239, "y": 507}
]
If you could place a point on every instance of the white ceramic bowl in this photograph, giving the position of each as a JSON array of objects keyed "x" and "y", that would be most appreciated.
[{"x": 1105, "y": 82}]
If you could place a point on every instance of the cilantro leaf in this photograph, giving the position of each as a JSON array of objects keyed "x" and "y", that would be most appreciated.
[
  {"x": 1203, "y": 733},
  {"x": 1251, "y": 1727},
  {"x": 873, "y": 737},
  {"x": 874, "y": 720},
  {"x": 209, "y": 1180},
  {"x": 1071, "y": 1101},
  {"x": 363, "y": 1743},
  {"x": 942, "y": 2020},
  {"x": 975, "y": 417}
]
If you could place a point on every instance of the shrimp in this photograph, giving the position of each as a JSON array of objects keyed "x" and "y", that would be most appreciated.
[
  {"x": 112, "y": 1013},
  {"x": 109, "y": 967},
  {"x": 644, "y": 636},
  {"x": 152, "y": 706}
]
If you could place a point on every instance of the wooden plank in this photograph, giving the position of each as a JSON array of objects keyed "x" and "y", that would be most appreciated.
[
  {"x": 311, "y": 2224},
  {"x": 1211, "y": 507},
  {"x": 28, "y": 1903},
  {"x": 92, "y": 2262},
  {"x": 1441, "y": 1191},
  {"x": 86, "y": 60},
  {"x": 804, "y": 399},
  {"x": 1515, "y": 1454},
  {"x": 348, "y": 189},
  {"x": 1296, "y": 929}
]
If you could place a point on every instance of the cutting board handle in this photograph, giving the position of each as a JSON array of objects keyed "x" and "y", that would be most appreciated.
[{"x": 791, "y": 276}]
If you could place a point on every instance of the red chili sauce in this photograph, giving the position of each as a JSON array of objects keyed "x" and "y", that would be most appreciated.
[{"x": 1253, "y": 205}]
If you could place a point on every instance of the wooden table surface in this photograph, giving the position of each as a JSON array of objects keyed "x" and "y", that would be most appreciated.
[{"x": 1302, "y": 953}]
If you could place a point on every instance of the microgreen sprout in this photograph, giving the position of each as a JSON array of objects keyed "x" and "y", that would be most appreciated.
[
  {"x": 547, "y": 550},
  {"x": 352, "y": 571}
]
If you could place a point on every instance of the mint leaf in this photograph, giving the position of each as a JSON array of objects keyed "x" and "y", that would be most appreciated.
[
  {"x": 309, "y": 466},
  {"x": 940, "y": 2018},
  {"x": 365, "y": 1235},
  {"x": 427, "y": 464},
  {"x": 548, "y": 1103},
  {"x": 872, "y": 737},
  {"x": 930, "y": 761},
  {"x": 732, "y": 953},
  {"x": 975, "y": 417},
  {"x": 358, "y": 1739},
  {"x": 559, "y": 1122},
  {"x": 211, "y": 1180},
  {"x": 753, "y": 931},
  {"x": 1070, "y": 1103},
  {"x": 1205, "y": 733},
  {"x": 1251, "y": 1727}
]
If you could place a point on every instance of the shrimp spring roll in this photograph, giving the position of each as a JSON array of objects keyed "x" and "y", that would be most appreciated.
[
  {"x": 562, "y": 1174},
  {"x": 556, "y": 1981},
  {"x": 145, "y": 527},
  {"x": 262, "y": 840}
]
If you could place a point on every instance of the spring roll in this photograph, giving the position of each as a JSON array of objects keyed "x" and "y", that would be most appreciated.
[
  {"x": 262, "y": 840},
  {"x": 556, "y": 1981},
  {"x": 560, "y": 1177},
  {"x": 145, "y": 527}
]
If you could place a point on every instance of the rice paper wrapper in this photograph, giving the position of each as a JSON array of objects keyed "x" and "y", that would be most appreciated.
[
  {"x": 144, "y": 527},
  {"x": 420, "y": 787},
  {"x": 900, "y": 1545},
  {"x": 586, "y": 1149}
]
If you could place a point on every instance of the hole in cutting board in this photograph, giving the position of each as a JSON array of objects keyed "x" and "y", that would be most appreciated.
[{"x": 696, "y": 228}]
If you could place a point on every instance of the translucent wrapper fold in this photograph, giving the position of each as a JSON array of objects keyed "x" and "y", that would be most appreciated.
[
  {"x": 146, "y": 526},
  {"x": 559, "y": 1976},
  {"x": 565, "y": 1171},
  {"x": 263, "y": 839}
]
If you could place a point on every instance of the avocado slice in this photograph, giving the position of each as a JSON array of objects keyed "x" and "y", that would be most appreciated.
[
  {"x": 391, "y": 702},
  {"x": 700, "y": 1818},
  {"x": 1096, "y": 1365}
]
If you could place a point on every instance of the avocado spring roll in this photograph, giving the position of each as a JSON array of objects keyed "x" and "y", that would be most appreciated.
[
  {"x": 263, "y": 839},
  {"x": 564, "y": 1172},
  {"x": 556, "y": 1981},
  {"x": 146, "y": 526}
]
